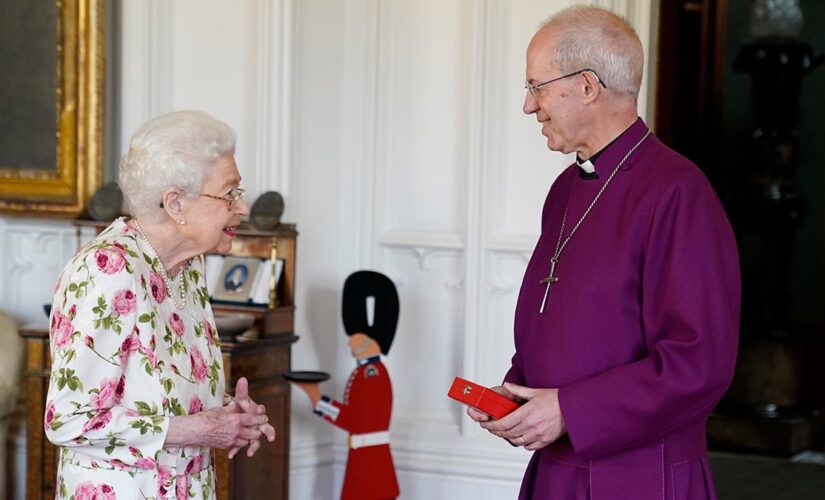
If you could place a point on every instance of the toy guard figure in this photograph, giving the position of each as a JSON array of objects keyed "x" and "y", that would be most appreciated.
[{"x": 365, "y": 411}]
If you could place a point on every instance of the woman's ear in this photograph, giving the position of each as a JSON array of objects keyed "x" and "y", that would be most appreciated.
[{"x": 172, "y": 202}]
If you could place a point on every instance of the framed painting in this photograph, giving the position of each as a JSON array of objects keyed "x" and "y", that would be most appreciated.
[{"x": 51, "y": 105}]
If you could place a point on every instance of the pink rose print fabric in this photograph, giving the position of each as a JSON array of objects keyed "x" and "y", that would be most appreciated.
[
  {"x": 91, "y": 491},
  {"x": 110, "y": 260},
  {"x": 124, "y": 302},
  {"x": 199, "y": 368},
  {"x": 61, "y": 329},
  {"x": 125, "y": 359},
  {"x": 158, "y": 287},
  {"x": 195, "y": 405}
]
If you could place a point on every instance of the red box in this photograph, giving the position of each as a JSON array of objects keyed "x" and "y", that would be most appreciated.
[{"x": 481, "y": 398}]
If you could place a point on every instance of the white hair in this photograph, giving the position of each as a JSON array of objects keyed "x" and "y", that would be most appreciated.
[
  {"x": 594, "y": 38},
  {"x": 175, "y": 150}
]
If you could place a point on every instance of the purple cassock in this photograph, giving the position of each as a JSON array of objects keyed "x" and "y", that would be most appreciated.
[{"x": 640, "y": 331}]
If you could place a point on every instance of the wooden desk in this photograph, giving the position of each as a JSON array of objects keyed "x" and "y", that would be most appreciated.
[{"x": 261, "y": 361}]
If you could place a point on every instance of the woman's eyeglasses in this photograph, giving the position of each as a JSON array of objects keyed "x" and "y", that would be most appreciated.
[{"x": 231, "y": 198}]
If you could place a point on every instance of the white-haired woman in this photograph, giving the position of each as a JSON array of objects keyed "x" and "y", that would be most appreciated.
[{"x": 135, "y": 399}]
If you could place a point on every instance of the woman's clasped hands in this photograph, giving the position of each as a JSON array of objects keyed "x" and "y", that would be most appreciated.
[
  {"x": 252, "y": 412},
  {"x": 240, "y": 423}
]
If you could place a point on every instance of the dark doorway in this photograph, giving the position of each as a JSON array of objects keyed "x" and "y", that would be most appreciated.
[{"x": 705, "y": 111}]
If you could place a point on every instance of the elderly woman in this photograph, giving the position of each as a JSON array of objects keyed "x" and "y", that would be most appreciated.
[{"x": 136, "y": 396}]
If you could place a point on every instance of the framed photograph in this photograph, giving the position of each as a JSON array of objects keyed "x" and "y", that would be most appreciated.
[{"x": 236, "y": 280}]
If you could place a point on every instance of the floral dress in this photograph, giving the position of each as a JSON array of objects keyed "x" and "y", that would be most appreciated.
[{"x": 125, "y": 359}]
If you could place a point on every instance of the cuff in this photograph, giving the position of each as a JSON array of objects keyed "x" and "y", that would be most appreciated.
[{"x": 326, "y": 409}]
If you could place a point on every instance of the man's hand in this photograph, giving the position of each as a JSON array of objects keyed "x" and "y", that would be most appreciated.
[
  {"x": 534, "y": 425},
  {"x": 478, "y": 415}
]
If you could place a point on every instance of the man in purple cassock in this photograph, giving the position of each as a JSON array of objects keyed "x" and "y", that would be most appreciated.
[{"x": 627, "y": 320}]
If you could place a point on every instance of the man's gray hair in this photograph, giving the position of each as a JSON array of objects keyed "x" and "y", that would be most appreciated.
[
  {"x": 175, "y": 150},
  {"x": 595, "y": 38}
]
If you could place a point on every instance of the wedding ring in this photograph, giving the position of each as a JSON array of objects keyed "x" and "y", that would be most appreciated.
[{"x": 521, "y": 438}]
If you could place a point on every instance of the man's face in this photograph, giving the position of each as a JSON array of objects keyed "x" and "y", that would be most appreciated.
[{"x": 555, "y": 103}]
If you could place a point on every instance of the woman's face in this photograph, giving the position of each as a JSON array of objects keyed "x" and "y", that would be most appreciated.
[{"x": 213, "y": 216}]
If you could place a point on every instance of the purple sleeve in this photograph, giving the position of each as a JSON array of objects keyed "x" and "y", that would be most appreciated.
[
  {"x": 690, "y": 294},
  {"x": 514, "y": 374}
]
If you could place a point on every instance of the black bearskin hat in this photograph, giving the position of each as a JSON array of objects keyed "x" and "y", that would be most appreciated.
[{"x": 360, "y": 285}]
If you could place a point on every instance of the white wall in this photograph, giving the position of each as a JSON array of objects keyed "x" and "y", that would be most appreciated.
[{"x": 393, "y": 128}]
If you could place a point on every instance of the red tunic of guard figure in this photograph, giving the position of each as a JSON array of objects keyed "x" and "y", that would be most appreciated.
[{"x": 367, "y": 405}]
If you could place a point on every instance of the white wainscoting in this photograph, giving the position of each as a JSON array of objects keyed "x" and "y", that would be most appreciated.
[{"x": 394, "y": 131}]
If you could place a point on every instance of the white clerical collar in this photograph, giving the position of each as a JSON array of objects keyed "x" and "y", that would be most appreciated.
[{"x": 586, "y": 165}]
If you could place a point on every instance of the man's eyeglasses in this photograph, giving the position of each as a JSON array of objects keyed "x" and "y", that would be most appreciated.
[
  {"x": 534, "y": 89},
  {"x": 230, "y": 198}
]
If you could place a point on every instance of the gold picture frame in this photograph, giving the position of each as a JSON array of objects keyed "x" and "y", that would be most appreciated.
[{"x": 63, "y": 187}]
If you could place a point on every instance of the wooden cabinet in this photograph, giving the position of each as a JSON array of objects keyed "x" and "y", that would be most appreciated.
[
  {"x": 41, "y": 455},
  {"x": 261, "y": 360},
  {"x": 266, "y": 475}
]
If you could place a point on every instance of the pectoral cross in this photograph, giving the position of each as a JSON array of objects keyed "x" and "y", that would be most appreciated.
[{"x": 549, "y": 280}]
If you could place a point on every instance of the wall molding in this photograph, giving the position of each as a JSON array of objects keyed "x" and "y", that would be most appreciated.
[
  {"x": 496, "y": 283},
  {"x": 274, "y": 70},
  {"x": 511, "y": 243},
  {"x": 34, "y": 251},
  {"x": 469, "y": 463},
  {"x": 425, "y": 257},
  {"x": 643, "y": 15},
  {"x": 359, "y": 110},
  {"x": 448, "y": 456},
  {"x": 310, "y": 454},
  {"x": 435, "y": 240},
  {"x": 147, "y": 58},
  {"x": 482, "y": 26}
]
